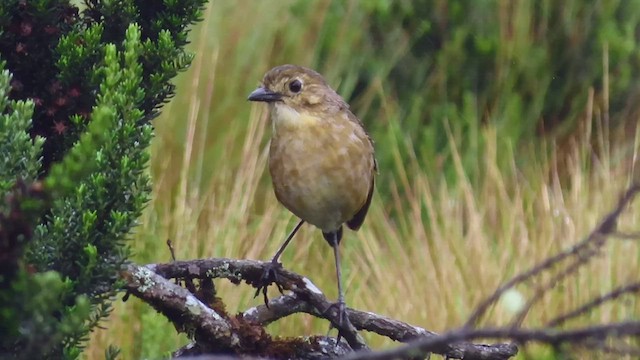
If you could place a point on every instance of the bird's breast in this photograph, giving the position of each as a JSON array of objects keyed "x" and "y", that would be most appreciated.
[{"x": 321, "y": 168}]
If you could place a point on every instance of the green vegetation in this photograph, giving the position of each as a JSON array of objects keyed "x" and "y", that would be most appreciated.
[
  {"x": 433, "y": 246},
  {"x": 504, "y": 131},
  {"x": 85, "y": 91}
]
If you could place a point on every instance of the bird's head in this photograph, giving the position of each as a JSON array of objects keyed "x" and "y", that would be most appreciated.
[{"x": 297, "y": 88}]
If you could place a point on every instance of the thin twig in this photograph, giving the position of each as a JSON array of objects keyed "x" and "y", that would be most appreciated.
[
  {"x": 552, "y": 283},
  {"x": 546, "y": 336},
  {"x": 626, "y": 236},
  {"x": 626, "y": 289},
  {"x": 173, "y": 253},
  {"x": 606, "y": 227}
]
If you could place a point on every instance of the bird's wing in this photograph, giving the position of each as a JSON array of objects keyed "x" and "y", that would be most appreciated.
[{"x": 357, "y": 219}]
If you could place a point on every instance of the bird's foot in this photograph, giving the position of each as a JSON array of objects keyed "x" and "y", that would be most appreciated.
[
  {"x": 269, "y": 276},
  {"x": 341, "y": 315}
]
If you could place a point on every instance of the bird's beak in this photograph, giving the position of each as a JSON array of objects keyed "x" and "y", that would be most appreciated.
[{"x": 266, "y": 95}]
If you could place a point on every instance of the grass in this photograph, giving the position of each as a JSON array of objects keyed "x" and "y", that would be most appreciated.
[{"x": 429, "y": 250}]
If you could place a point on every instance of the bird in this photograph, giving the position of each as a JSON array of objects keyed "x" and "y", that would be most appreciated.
[{"x": 321, "y": 160}]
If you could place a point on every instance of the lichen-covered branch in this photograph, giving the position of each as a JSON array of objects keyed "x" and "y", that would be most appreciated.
[
  {"x": 215, "y": 331},
  {"x": 152, "y": 284},
  {"x": 393, "y": 329},
  {"x": 181, "y": 307},
  {"x": 251, "y": 272}
]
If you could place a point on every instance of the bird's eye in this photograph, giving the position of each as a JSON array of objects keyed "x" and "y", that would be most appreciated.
[{"x": 295, "y": 86}]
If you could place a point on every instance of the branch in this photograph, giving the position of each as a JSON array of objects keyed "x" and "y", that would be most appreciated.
[
  {"x": 305, "y": 297},
  {"x": 251, "y": 272},
  {"x": 180, "y": 306},
  {"x": 626, "y": 289},
  {"x": 585, "y": 249},
  {"x": 523, "y": 336},
  {"x": 542, "y": 290},
  {"x": 393, "y": 329},
  {"x": 213, "y": 330}
]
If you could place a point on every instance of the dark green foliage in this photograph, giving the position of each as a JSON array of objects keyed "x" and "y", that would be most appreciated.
[
  {"x": 74, "y": 157},
  {"x": 164, "y": 34},
  {"x": 52, "y": 50},
  {"x": 30, "y": 32},
  {"x": 524, "y": 67},
  {"x": 108, "y": 184},
  {"x": 35, "y": 323},
  {"x": 33, "y": 320},
  {"x": 22, "y": 206},
  {"x": 15, "y": 123}
]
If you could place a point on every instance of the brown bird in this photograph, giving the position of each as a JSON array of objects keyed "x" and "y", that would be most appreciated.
[{"x": 321, "y": 159}]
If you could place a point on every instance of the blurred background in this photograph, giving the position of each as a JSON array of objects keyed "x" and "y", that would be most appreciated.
[{"x": 504, "y": 131}]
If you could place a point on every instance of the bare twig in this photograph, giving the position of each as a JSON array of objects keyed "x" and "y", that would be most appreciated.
[
  {"x": 281, "y": 307},
  {"x": 630, "y": 288},
  {"x": 577, "y": 337},
  {"x": 626, "y": 236},
  {"x": 198, "y": 311},
  {"x": 606, "y": 227},
  {"x": 171, "y": 250},
  {"x": 289, "y": 304},
  {"x": 540, "y": 291}
]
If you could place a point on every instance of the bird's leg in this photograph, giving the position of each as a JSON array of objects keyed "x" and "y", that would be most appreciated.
[
  {"x": 286, "y": 242},
  {"x": 334, "y": 241},
  {"x": 270, "y": 273},
  {"x": 341, "y": 305}
]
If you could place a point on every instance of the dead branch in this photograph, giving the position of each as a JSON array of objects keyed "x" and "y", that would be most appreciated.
[
  {"x": 213, "y": 330},
  {"x": 251, "y": 272},
  {"x": 305, "y": 297},
  {"x": 393, "y": 329},
  {"x": 523, "y": 336},
  {"x": 181, "y": 307},
  {"x": 574, "y": 266},
  {"x": 585, "y": 249},
  {"x": 614, "y": 294},
  {"x": 289, "y": 304}
]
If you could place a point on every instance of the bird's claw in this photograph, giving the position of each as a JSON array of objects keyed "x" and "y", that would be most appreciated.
[
  {"x": 341, "y": 315},
  {"x": 269, "y": 276}
]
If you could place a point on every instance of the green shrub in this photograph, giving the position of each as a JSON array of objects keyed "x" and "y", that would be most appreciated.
[{"x": 76, "y": 117}]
